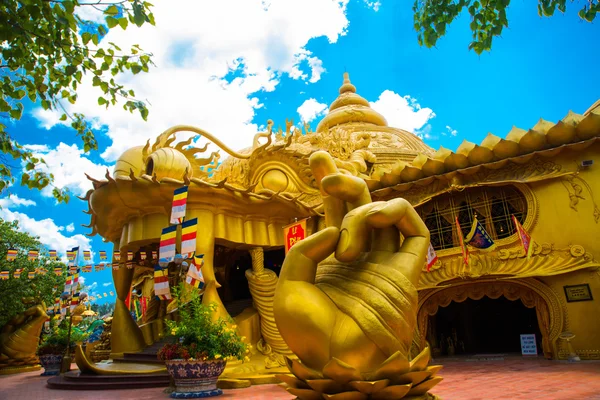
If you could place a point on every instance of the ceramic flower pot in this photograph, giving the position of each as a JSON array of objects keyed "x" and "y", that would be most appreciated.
[
  {"x": 51, "y": 363},
  {"x": 195, "y": 378}
]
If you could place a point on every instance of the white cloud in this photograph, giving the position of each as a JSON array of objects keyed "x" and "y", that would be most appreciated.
[
  {"x": 191, "y": 83},
  {"x": 48, "y": 232},
  {"x": 311, "y": 109},
  {"x": 451, "y": 132},
  {"x": 12, "y": 200},
  {"x": 403, "y": 112},
  {"x": 70, "y": 227},
  {"x": 106, "y": 284},
  {"x": 373, "y": 4},
  {"x": 68, "y": 165}
]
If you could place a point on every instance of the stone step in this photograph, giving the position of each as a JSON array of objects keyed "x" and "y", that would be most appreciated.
[{"x": 75, "y": 380}]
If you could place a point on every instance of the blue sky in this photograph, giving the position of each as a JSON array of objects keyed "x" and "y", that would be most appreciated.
[{"x": 230, "y": 73}]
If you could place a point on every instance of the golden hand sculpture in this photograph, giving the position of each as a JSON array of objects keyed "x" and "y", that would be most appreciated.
[{"x": 346, "y": 300}]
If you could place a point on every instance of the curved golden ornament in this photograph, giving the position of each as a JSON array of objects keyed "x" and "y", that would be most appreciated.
[
  {"x": 19, "y": 338},
  {"x": 551, "y": 311}
]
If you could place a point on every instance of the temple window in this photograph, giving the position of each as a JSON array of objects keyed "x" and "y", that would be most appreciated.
[{"x": 493, "y": 207}]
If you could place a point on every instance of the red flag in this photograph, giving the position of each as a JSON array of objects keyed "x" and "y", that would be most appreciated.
[
  {"x": 524, "y": 236},
  {"x": 465, "y": 251},
  {"x": 431, "y": 257},
  {"x": 128, "y": 301}
]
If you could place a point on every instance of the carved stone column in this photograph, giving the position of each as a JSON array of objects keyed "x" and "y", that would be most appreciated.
[{"x": 262, "y": 283}]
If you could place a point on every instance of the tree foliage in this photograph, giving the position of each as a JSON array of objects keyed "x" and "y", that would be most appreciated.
[
  {"x": 47, "y": 51},
  {"x": 103, "y": 309},
  {"x": 14, "y": 290},
  {"x": 488, "y": 18}
]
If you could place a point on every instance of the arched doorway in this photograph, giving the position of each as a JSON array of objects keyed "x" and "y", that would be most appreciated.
[{"x": 530, "y": 292}]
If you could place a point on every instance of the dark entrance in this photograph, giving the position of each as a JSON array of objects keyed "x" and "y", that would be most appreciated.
[{"x": 485, "y": 326}]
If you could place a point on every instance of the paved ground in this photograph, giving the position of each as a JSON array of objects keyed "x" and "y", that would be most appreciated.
[{"x": 514, "y": 378}]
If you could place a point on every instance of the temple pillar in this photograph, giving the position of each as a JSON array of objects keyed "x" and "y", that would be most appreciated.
[
  {"x": 126, "y": 336},
  {"x": 205, "y": 244},
  {"x": 262, "y": 283}
]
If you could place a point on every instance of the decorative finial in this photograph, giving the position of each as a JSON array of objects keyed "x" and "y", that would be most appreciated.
[{"x": 347, "y": 86}]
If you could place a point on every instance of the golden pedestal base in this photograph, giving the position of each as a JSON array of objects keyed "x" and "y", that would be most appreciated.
[{"x": 19, "y": 369}]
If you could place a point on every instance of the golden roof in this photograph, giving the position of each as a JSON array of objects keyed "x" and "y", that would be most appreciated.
[{"x": 520, "y": 146}]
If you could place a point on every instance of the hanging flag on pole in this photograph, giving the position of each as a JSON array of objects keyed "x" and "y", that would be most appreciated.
[
  {"x": 479, "y": 238},
  {"x": 33, "y": 255},
  {"x": 11, "y": 254},
  {"x": 431, "y": 257},
  {"x": 179, "y": 204},
  {"x": 161, "y": 283},
  {"x": 188, "y": 236},
  {"x": 53, "y": 255},
  {"x": 68, "y": 284},
  {"x": 74, "y": 301},
  {"x": 168, "y": 239},
  {"x": 102, "y": 255},
  {"x": 524, "y": 236},
  {"x": 194, "y": 276},
  {"x": 461, "y": 240}
]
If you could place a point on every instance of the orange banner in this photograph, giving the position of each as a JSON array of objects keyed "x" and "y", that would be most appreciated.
[{"x": 294, "y": 233}]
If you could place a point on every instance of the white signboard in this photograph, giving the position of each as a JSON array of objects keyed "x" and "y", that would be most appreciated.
[{"x": 528, "y": 345}]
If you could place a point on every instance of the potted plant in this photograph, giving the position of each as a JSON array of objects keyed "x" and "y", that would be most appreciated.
[
  {"x": 200, "y": 346},
  {"x": 54, "y": 346}
]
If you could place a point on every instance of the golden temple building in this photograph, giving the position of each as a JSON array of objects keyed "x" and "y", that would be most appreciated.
[{"x": 546, "y": 176}]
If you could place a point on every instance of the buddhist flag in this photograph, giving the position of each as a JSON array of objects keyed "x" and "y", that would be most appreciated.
[
  {"x": 111, "y": 293},
  {"x": 194, "y": 276},
  {"x": 31, "y": 274},
  {"x": 73, "y": 269},
  {"x": 53, "y": 255},
  {"x": 68, "y": 284},
  {"x": 58, "y": 271},
  {"x": 294, "y": 233},
  {"x": 71, "y": 256},
  {"x": 168, "y": 240},
  {"x": 75, "y": 279},
  {"x": 179, "y": 203},
  {"x": 33, "y": 255},
  {"x": 524, "y": 236},
  {"x": 461, "y": 240},
  {"x": 161, "y": 283},
  {"x": 4, "y": 274},
  {"x": 129, "y": 255},
  {"x": 102, "y": 255},
  {"x": 129, "y": 265},
  {"x": 479, "y": 238},
  {"x": 11, "y": 254},
  {"x": 105, "y": 295},
  {"x": 57, "y": 305},
  {"x": 98, "y": 267},
  {"x": 155, "y": 255},
  {"x": 188, "y": 236},
  {"x": 17, "y": 273},
  {"x": 115, "y": 266},
  {"x": 117, "y": 256},
  {"x": 431, "y": 257},
  {"x": 74, "y": 301},
  {"x": 142, "y": 255},
  {"x": 87, "y": 268}
]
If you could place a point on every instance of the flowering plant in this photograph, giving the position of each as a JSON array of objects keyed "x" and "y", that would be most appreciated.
[
  {"x": 56, "y": 341},
  {"x": 198, "y": 335}
]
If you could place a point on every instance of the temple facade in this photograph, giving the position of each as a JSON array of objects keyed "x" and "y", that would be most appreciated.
[{"x": 545, "y": 177}]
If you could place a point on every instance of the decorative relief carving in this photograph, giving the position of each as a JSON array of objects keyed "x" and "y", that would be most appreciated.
[
  {"x": 545, "y": 261},
  {"x": 574, "y": 185}
]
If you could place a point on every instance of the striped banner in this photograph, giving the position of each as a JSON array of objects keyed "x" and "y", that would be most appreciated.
[
  {"x": 115, "y": 266},
  {"x": 129, "y": 255},
  {"x": 31, "y": 274},
  {"x": 188, "y": 236},
  {"x": 53, "y": 254},
  {"x": 117, "y": 256},
  {"x": 73, "y": 269},
  {"x": 102, "y": 255},
  {"x": 154, "y": 255},
  {"x": 168, "y": 240},
  {"x": 179, "y": 204},
  {"x": 11, "y": 254},
  {"x": 17, "y": 273},
  {"x": 87, "y": 268},
  {"x": 142, "y": 255},
  {"x": 98, "y": 267},
  {"x": 74, "y": 301},
  {"x": 33, "y": 255},
  {"x": 4, "y": 274},
  {"x": 194, "y": 276},
  {"x": 58, "y": 271},
  {"x": 41, "y": 271},
  {"x": 129, "y": 265},
  {"x": 87, "y": 255},
  {"x": 161, "y": 283},
  {"x": 71, "y": 255}
]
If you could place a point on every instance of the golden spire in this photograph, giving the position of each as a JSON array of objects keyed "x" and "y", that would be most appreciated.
[{"x": 350, "y": 107}]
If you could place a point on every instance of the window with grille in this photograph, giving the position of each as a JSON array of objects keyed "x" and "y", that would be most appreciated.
[{"x": 493, "y": 207}]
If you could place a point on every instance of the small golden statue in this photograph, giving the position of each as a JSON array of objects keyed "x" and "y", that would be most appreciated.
[{"x": 346, "y": 300}]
